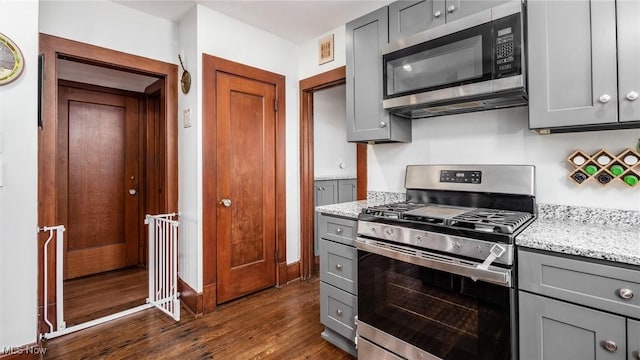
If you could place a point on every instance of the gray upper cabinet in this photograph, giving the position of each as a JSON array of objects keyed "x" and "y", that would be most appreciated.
[
  {"x": 409, "y": 17},
  {"x": 367, "y": 121},
  {"x": 456, "y": 9},
  {"x": 628, "y": 58},
  {"x": 346, "y": 190},
  {"x": 576, "y": 80}
]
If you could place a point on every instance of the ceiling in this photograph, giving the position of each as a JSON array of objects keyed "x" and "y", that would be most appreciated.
[{"x": 296, "y": 20}]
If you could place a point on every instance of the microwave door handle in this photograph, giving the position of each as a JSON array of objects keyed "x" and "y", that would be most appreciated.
[{"x": 436, "y": 261}]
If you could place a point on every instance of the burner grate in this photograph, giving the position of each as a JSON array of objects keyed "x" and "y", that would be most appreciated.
[{"x": 491, "y": 220}]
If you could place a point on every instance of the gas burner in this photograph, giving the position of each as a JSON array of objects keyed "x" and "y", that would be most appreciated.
[
  {"x": 391, "y": 211},
  {"x": 491, "y": 220}
]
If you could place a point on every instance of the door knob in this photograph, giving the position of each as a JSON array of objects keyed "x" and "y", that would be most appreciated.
[
  {"x": 225, "y": 202},
  {"x": 451, "y": 9},
  {"x": 132, "y": 191},
  {"x": 632, "y": 95},
  {"x": 604, "y": 98}
]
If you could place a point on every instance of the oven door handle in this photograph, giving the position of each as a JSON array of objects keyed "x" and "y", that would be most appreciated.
[{"x": 435, "y": 261}]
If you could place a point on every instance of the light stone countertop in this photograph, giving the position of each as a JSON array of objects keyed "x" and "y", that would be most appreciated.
[
  {"x": 334, "y": 177},
  {"x": 605, "y": 234}
]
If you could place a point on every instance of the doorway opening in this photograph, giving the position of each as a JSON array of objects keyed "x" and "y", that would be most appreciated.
[
  {"x": 308, "y": 87},
  {"x": 107, "y": 155}
]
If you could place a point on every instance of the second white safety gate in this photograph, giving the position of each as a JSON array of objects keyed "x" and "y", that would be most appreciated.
[{"x": 163, "y": 263}]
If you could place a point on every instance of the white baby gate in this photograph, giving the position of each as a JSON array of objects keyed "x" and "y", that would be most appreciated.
[
  {"x": 163, "y": 263},
  {"x": 163, "y": 275}
]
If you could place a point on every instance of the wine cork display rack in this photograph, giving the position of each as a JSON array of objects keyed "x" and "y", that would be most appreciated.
[{"x": 604, "y": 168}]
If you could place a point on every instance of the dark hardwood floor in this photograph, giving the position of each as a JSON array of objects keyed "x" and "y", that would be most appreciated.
[
  {"x": 276, "y": 323},
  {"x": 92, "y": 297}
]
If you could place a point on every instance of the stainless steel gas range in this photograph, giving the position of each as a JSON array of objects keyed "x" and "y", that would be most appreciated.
[{"x": 435, "y": 273}]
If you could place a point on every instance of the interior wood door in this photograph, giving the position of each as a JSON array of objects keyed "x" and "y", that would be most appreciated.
[
  {"x": 245, "y": 176},
  {"x": 99, "y": 155}
]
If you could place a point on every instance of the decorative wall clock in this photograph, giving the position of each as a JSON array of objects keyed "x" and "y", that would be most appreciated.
[{"x": 11, "y": 60}]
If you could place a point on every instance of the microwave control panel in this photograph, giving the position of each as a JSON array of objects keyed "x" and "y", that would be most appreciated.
[{"x": 507, "y": 46}]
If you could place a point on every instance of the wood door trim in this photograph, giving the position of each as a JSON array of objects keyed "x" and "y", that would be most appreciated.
[
  {"x": 53, "y": 47},
  {"x": 307, "y": 209},
  {"x": 210, "y": 66}
]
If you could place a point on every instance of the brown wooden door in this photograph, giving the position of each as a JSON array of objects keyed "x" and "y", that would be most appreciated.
[
  {"x": 99, "y": 153},
  {"x": 245, "y": 175}
]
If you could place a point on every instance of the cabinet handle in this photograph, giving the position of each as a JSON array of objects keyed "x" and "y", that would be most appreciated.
[
  {"x": 626, "y": 294},
  {"x": 338, "y": 266},
  {"x": 437, "y": 14},
  {"x": 604, "y": 98},
  {"x": 338, "y": 231},
  {"x": 383, "y": 124},
  {"x": 339, "y": 312},
  {"x": 632, "y": 95},
  {"x": 323, "y": 188},
  {"x": 610, "y": 346},
  {"x": 451, "y": 8}
]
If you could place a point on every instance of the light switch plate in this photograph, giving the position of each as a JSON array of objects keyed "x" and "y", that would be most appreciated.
[{"x": 186, "y": 118}]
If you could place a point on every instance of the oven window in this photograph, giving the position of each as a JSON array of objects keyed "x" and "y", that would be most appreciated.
[{"x": 449, "y": 316}]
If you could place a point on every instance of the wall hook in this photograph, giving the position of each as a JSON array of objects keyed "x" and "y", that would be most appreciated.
[{"x": 185, "y": 81}]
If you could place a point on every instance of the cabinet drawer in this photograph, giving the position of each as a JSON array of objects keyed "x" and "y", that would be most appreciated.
[
  {"x": 337, "y": 229},
  {"x": 599, "y": 286},
  {"x": 338, "y": 310},
  {"x": 338, "y": 265}
]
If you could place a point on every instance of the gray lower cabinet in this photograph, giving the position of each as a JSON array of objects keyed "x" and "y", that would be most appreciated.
[
  {"x": 338, "y": 281},
  {"x": 329, "y": 192},
  {"x": 577, "y": 309},
  {"x": 367, "y": 121},
  {"x": 583, "y": 76}
]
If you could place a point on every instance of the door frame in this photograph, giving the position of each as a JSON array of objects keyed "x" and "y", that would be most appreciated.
[
  {"x": 210, "y": 66},
  {"x": 307, "y": 208},
  {"x": 52, "y": 47}
]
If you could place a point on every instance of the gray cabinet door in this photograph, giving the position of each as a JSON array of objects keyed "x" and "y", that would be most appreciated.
[
  {"x": 633, "y": 339},
  {"x": 628, "y": 59},
  {"x": 409, "y": 17},
  {"x": 326, "y": 193},
  {"x": 346, "y": 190},
  {"x": 456, "y": 9},
  {"x": 572, "y": 63},
  {"x": 366, "y": 119},
  {"x": 555, "y": 330}
]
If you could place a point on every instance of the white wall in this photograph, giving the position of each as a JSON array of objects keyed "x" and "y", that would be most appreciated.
[
  {"x": 225, "y": 37},
  {"x": 309, "y": 54},
  {"x": 502, "y": 137},
  {"x": 18, "y": 196},
  {"x": 330, "y": 134},
  {"x": 190, "y": 158},
  {"x": 110, "y": 25}
]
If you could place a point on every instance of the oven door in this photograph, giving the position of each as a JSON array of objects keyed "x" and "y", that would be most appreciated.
[{"x": 414, "y": 311}]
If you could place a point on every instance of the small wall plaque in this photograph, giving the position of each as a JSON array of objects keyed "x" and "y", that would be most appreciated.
[
  {"x": 326, "y": 49},
  {"x": 11, "y": 60}
]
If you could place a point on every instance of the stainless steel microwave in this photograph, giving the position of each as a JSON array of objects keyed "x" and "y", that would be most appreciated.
[{"x": 470, "y": 64}]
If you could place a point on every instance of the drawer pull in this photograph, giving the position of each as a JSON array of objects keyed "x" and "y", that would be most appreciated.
[
  {"x": 626, "y": 294},
  {"x": 338, "y": 231},
  {"x": 338, "y": 266},
  {"x": 610, "y": 346},
  {"x": 339, "y": 313}
]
